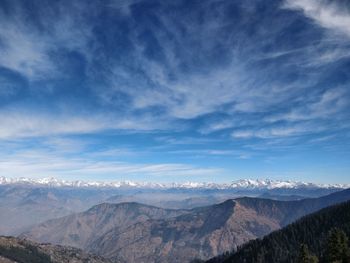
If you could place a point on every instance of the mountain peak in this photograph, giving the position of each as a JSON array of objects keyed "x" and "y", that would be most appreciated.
[{"x": 238, "y": 184}]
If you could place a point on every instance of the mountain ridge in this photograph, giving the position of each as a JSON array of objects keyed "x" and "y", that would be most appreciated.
[{"x": 267, "y": 184}]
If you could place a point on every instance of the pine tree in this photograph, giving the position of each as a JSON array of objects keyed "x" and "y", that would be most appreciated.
[
  {"x": 305, "y": 256},
  {"x": 337, "y": 247}
]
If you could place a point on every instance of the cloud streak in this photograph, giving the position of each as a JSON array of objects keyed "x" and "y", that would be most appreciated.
[
  {"x": 334, "y": 15},
  {"x": 40, "y": 163},
  {"x": 20, "y": 124}
]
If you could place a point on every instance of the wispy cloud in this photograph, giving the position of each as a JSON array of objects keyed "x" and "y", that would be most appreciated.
[
  {"x": 333, "y": 15},
  {"x": 212, "y": 152},
  {"x": 20, "y": 124},
  {"x": 278, "y": 131},
  {"x": 23, "y": 50},
  {"x": 328, "y": 104},
  {"x": 29, "y": 49},
  {"x": 38, "y": 163}
]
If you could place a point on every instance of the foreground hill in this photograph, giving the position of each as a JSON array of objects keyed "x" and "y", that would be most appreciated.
[
  {"x": 133, "y": 232},
  {"x": 284, "y": 245},
  {"x": 25, "y": 251}
]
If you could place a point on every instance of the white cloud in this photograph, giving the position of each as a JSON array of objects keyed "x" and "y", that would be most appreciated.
[
  {"x": 23, "y": 124},
  {"x": 278, "y": 131},
  {"x": 24, "y": 51},
  {"x": 217, "y": 126},
  {"x": 212, "y": 152},
  {"x": 64, "y": 145},
  {"x": 15, "y": 124},
  {"x": 330, "y": 14},
  {"x": 329, "y": 104},
  {"x": 243, "y": 134},
  {"x": 28, "y": 50},
  {"x": 40, "y": 163}
]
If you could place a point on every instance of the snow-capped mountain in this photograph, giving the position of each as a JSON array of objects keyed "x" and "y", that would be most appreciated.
[{"x": 239, "y": 184}]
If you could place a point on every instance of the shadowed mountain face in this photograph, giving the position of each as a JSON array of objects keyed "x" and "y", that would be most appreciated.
[
  {"x": 132, "y": 232},
  {"x": 24, "y": 251}
]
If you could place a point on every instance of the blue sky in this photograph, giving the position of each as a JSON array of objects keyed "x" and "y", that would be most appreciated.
[{"x": 173, "y": 91}]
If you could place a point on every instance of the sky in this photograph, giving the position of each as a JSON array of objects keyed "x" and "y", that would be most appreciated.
[{"x": 175, "y": 91}]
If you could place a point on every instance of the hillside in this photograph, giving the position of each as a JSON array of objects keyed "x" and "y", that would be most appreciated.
[
  {"x": 132, "y": 232},
  {"x": 283, "y": 245},
  {"x": 81, "y": 229},
  {"x": 14, "y": 250}
]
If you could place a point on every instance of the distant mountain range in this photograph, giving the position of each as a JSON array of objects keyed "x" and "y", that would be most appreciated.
[
  {"x": 131, "y": 232},
  {"x": 266, "y": 184},
  {"x": 25, "y": 202}
]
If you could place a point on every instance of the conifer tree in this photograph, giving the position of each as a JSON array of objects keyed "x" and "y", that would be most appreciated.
[
  {"x": 305, "y": 256},
  {"x": 337, "y": 247}
]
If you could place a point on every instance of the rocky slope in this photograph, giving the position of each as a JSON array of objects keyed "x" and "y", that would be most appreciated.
[
  {"x": 137, "y": 233},
  {"x": 25, "y": 251}
]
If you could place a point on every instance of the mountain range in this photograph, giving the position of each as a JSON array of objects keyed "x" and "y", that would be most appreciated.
[
  {"x": 239, "y": 184},
  {"x": 26, "y": 202},
  {"x": 131, "y": 232}
]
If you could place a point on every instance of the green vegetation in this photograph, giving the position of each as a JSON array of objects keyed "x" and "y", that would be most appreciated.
[
  {"x": 305, "y": 256},
  {"x": 337, "y": 247},
  {"x": 26, "y": 254},
  {"x": 319, "y": 237}
]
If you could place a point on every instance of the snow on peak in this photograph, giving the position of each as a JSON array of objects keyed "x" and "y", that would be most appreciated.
[{"x": 239, "y": 184}]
